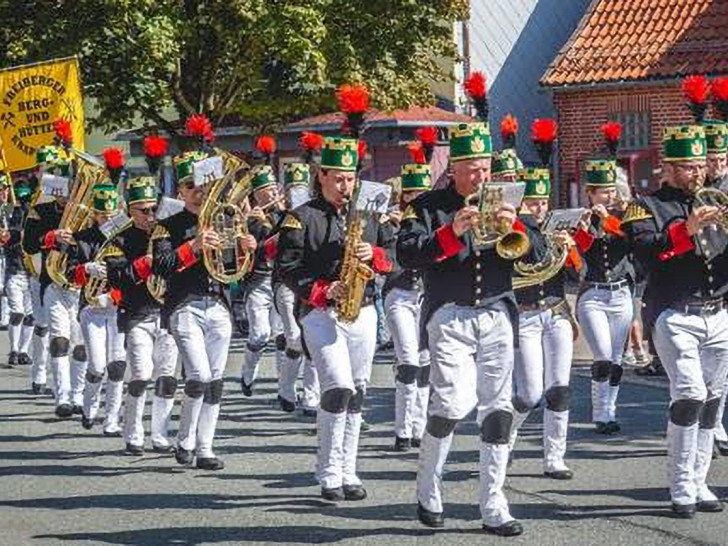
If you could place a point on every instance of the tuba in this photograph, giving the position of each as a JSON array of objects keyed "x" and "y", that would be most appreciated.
[
  {"x": 223, "y": 213},
  {"x": 713, "y": 197},
  {"x": 89, "y": 172},
  {"x": 97, "y": 287},
  {"x": 487, "y": 230},
  {"x": 531, "y": 274}
]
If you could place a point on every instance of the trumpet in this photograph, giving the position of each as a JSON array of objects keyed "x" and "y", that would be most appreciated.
[{"x": 713, "y": 197}]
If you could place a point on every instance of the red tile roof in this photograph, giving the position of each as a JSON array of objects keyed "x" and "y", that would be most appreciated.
[
  {"x": 419, "y": 115},
  {"x": 626, "y": 40}
]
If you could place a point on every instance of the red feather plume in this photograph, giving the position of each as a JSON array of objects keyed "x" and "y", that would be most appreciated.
[
  {"x": 311, "y": 142},
  {"x": 475, "y": 86},
  {"x": 719, "y": 88},
  {"x": 427, "y": 136},
  {"x": 265, "y": 144},
  {"x": 155, "y": 146},
  {"x": 612, "y": 131},
  {"x": 544, "y": 130},
  {"x": 353, "y": 98},
  {"x": 63, "y": 130},
  {"x": 509, "y": 126},
  {"x": 114, "y": 158},
  {"x": 417, "y": 152},
  {"x": 696, "y": 89},
  {"x": 362, "y": 150},
  {"x": 199, "y": 125}
]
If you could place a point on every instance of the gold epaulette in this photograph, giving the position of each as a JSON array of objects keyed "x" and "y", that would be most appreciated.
[
  {"x": 113, "y": 251},
  {"x": 33, "y": 214},
  {"x": 291, "y": 222},
  {"x": 635, "y": 212},
  {"x": 160, "y": 232},
  {"x": 409, "y": 213}
]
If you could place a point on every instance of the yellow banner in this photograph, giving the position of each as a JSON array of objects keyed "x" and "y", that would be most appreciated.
[{"x": 32, "y": 97}]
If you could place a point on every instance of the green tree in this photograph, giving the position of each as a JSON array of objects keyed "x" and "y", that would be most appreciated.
[{"x": 262, "y": 62}]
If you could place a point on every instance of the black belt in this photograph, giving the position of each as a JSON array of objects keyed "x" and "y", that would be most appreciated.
[
  {"x": 541, "y": 305},
  {"x": 699, "y": 307},
  {"x": 612, "y": 286}
]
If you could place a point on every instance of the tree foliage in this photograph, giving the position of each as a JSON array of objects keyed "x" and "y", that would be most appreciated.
[{"x": 261, "y": 62}]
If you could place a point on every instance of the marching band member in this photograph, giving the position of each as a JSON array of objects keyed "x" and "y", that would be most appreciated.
[
  {"x": 402, "y": 302},
  {"x": 543, "y": 358},
  {"x": 59, "y": 304},
  {"x": 295, "y": 175},
  {"x": 196, "y": 310},
  {"x": 687, "y": 266},
  {"x": 4, "y": 208},
  {"x": 468, "y": 315},
  {"x": 605, "y": 306},
  {"x": 103, "y": 340},
  {"x": 505, "y": 163},
  {"x": 311, "y": 250},
  {"x": 263, "y": 318}
]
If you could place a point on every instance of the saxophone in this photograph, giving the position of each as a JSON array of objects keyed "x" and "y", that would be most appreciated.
[{"x": 355, "y": 274}]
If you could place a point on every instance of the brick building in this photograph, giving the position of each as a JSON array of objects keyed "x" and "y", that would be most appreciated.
[{"x": 625, "y": 62}]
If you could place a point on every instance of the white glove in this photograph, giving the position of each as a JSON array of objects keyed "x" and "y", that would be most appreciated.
[{"x": 94, "y": 269}]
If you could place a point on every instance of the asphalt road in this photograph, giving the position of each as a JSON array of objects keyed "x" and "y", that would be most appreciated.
[{"x": 61, "y": 484}]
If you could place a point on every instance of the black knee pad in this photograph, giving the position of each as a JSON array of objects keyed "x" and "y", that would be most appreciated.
[
  {"x": 280, "y": 342},
  {"x": 293, "y": 354},
  {"x": 256, "y": 348},
  {"x": 496, "y": 427},
  {"x": 356, "y": 402},
  {"x": 685, "y": 412},
  {"x": 615, "y": 374},
  {"x": 16, "y": 318},
  {"x": 137, "y": 387},
  {"x": 709, "y": 413},
  {"x": 335, "y": 400},
  {"x": 194, "y": 389},
  {"x": 79, "y": 353},
  {"x": 116, "y": 370},
  {"x": 406, "y": 374},
  {"x": 40, "y": 331},
  {"x": 521, "y": 405},
  {"x": 600, "y": 370},
  {"x": 91, "y": 377},
  {"x": 440, "y": 427},
  {"x": 423, "y": 377},
  {"x": 165, "y": 386},
  {"x": 59, "y": 346},
  {"x": 558, "y": 398},
  {"x": 213, "y": 392},
  {"x": 29, "y": 320}
]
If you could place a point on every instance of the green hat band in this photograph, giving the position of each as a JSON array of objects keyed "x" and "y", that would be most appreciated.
[
  {"x": 716, "y": 137},
  {"x": 23, "y": 191},
  {"x": 504, "y": 162},
  {"x": 470, "y": 141},
  {"x": 142, "y": 189},
  {"x": 416, "y": 177},
  {"x": 340, "y": 153},
  {"x": 184, "y": 163},
  {"x": 538, "y": 182},
  {"x": 296, "y": 174},
  {"x": 601, "y": 172},
  {"x": 105, "y": 198},
  {"x": 53, "y": 159},
  {"x": 263, "y": 178},
  {"x": 684, "y": 143}
]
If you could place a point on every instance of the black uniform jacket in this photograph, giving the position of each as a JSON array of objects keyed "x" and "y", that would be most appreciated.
[
  {"x": 400, "y": 277},
  {"x": 265, "y": 233},
  {"x": 606, "y": 251},
  {"x": 680, "y": 269},
  {"x": 128, "y": 271},
  {"x": 42, "y": 219},
  {"x": 311, "y": 248},
  {"x": 13, "y": 249},
  {"x": 184, "y": 270},
  {"x": 88, "y": 243},
  {"x": 454, "y": 269}
]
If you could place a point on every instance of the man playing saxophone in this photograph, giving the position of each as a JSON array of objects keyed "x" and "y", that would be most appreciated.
[
  {"x": 314, "y": 238},
  {"x": 197, "y": 313}
]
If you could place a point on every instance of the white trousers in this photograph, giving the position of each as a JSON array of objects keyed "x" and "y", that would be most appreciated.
[
  {"x": 471, "y": 353},
  {"x": 294, "y": 361},
  {"x": 605, "y": 317},
  {"x": 343, "y": 355},
  {"x": 412, "y": 387},
  {"x": 694, "y": 351},
  {"x": 4, "y": 311},
  {"x": 105, "y": 350},
  {"x": 202, "y": 329},
  {"x": 69, "y": 374},
  {"x": 152, "y": 354},
  {"x": 263, "y": 321},
  {"x": 39, "y": 370},
  {"x": 543, "y": 365},
  {"x": 720, "y": 433},
  {"x": 20, "y": 330}
]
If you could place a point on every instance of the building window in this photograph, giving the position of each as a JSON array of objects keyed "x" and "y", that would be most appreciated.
[{"x": 635, "y": 130}]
